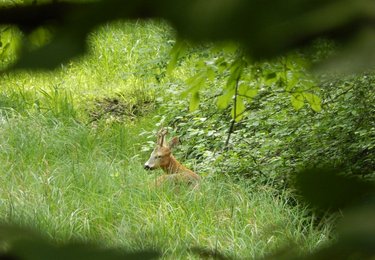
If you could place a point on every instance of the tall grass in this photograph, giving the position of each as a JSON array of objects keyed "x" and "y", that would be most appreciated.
[{"x": 74, "y": 180}]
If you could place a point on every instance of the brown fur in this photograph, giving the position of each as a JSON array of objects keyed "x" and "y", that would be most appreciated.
[{"x": 176, "y": 173}]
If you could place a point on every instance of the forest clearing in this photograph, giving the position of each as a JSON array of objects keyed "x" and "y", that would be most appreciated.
[{"x": 75, "y": 142}]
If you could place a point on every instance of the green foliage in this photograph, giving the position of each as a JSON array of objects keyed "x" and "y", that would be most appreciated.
[
  {"x": 297, "y": 100},
  {"x": 273, "y": 140},
  {"x": 75, "y": 181},
  {"x": 86, "y": 180},
  {"x": 241, "y": 80}
]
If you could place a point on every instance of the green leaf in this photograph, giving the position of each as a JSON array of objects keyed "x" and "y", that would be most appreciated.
[
  {"x": 242, "y": 89},
  {"x": 251, "y": 92},
  {"x": 177, "y": 52},
  {"x": 194, "y": 101},
  {"x": 297, "y": 101},
  {"x": 210, "y": 73},
  {"x": 271, "y": 77},
  {"x": 292, "y": 81},
  {"x": 195, "y": 82},
  {"x": 246, "y": 91},
  {"x": 235, "y": 72},
  {"x": 240, "y": 108},
  {"x": 314, "y": 101},
  {"x": 224, "y": 100}
]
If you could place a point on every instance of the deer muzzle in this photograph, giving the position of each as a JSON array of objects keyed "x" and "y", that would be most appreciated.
[{"x": 149, "y": 165}]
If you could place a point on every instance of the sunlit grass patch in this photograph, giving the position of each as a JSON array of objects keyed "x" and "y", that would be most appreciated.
[{"x": 125, "y": 61}]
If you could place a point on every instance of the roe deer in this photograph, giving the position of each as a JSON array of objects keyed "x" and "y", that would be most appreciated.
[{"x": 162, "y": 158}]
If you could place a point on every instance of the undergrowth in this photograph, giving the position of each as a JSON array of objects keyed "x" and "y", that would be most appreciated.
[{"x": 73, "y": 143}]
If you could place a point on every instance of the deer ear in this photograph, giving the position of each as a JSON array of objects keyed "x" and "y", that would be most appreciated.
[{"x": 174, "y": 142}]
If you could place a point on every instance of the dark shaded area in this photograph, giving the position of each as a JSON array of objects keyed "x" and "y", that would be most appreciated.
[
  {"x": 26, "y": 244},
  {"x": 329, "y": 189},
  {"x": 355, "y": 240},
  {"x": 204, "y": 253},
  {"x": 265, "y": 28},
  {"x": 71, "y": 23}
]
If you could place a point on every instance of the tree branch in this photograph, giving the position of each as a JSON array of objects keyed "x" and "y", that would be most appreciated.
[{"x": 231, "y": 128}]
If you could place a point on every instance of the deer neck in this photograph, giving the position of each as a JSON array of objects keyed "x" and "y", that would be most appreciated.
[{"x": 173, "y": 166}]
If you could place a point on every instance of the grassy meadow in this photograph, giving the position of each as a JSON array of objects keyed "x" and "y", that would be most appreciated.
[{"x": 73, "y": 170}]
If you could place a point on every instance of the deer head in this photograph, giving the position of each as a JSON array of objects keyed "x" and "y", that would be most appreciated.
[{"x": 162, "y": 154}]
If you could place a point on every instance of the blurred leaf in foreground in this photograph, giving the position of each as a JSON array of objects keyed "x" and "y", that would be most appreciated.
[
  {"x": 329, "y": 189},
  {"x": 264, "y": 29},
  {"x": 24, "y": 244},
  {"x": 355, "y": 238}
]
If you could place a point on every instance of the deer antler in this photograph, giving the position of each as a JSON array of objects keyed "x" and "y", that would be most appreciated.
[{"x": 161, "y": 136}]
